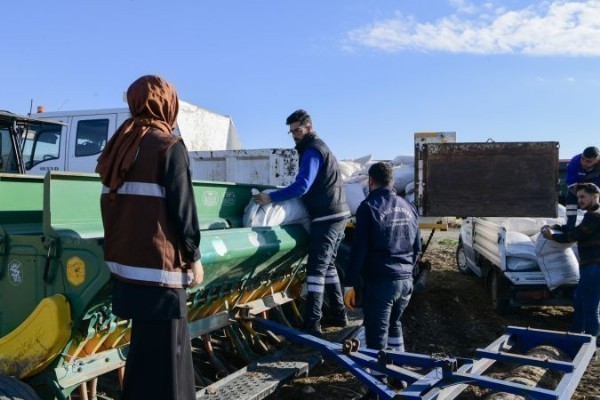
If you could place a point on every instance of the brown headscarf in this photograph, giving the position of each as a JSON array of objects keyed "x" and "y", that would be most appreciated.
[{"x": 153, "y": 103}]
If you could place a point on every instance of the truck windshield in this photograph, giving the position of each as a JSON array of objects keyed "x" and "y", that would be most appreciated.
[{"x": 40, "y": 144}]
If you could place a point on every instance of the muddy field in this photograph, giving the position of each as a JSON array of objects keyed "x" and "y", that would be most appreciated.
[{"x": 452, "y": 317}]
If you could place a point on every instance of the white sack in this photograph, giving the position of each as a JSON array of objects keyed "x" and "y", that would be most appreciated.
[
  {"x": 358, "y": 179},
  {"x": 355, "y": 194},
  {"x": 285, "y": 212},
  {"x": 364, "y": 160},
  {"x": 544, "y": 247},
  {"x": 521, "y": 264},
  {"x": 575, "y": 249},
  {"x": 409, "y": 192},
  {"x": 349, "y": 168},
  {"x": 528, "y": 226},
  {"x": 401, "y": 160},
  {"x": 519, "y": 245},
  {"x": 559, "y": 268},
  {"x": 403, "y": 175}
]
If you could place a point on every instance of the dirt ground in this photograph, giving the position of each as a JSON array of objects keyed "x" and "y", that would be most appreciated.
[{"x": 452, "y": 317}]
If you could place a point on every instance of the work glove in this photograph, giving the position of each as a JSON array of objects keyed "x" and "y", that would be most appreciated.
[{"x": 352, "y": 299}]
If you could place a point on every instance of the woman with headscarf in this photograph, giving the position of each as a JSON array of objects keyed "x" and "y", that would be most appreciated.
[{"x": 152, "y": 240}]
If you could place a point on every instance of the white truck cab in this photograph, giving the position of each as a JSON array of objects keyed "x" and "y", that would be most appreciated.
[{"x": 78, "y": 144}]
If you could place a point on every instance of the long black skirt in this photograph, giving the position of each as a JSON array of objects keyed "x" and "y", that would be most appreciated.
[{"x": 159, "y": 363}]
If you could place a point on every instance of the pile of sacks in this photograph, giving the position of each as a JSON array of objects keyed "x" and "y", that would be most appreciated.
[
  {"x": 527, "y": 250},
  {"x": 355, "y": 174},
  {"x": 355, "y": 177}
]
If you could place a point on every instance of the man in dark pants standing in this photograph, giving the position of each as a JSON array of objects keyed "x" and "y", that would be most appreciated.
[
  {"x": 586, "y": 302},
  {"x": 584, "y": 167},
  {"x": 386, "y": 248},
  {"x": 319, "y": 183}
]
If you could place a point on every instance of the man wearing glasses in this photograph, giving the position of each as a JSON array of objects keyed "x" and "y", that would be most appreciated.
[{"x": 319, "y": 183}]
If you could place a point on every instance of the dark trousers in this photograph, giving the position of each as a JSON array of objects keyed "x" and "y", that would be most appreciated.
[
  {"x": 383, "y": 305},
  {"x": 586, "y": 302},
  {"x": 322, "y": 277},
  {"x": 159, "y": 363}
]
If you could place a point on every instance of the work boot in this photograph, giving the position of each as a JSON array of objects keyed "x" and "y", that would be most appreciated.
[
  {"x": 314, "y": 331},
  {"x": 339, "y": 319}
]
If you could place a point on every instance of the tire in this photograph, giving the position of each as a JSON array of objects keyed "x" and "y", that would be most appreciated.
[
  {"x": 461, "y": 260},
  {"x": 499, "y": 292},
  {"x": 13, "y": 389}
]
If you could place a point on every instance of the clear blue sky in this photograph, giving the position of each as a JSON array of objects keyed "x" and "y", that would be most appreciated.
[{"x": 371, "y": 73}]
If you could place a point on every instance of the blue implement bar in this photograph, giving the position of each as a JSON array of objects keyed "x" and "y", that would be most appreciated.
[{"x": 441, "y": 378}]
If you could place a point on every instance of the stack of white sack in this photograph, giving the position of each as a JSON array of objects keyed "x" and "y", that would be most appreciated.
[
  {"x": 557, "y": 262},
  {"x": 349, "y": 168},
  {"x": 519, "y": 242},
  {"x": 520, "y": 252},
  {"x": 285, "y": 212},
  {"x": 356, "y": 179}
]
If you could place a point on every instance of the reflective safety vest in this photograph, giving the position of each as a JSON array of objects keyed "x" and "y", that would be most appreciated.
[{"x": 141, "y": 245}]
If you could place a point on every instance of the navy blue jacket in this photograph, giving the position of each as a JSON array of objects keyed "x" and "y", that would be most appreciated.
[{"x": 386, "y": 239}]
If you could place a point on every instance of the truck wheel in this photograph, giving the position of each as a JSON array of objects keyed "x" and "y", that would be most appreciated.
[
  {"x": 499, "y": 292},
  {"x": 13, "y": 389},
  {"x": 461, "y": 260}
]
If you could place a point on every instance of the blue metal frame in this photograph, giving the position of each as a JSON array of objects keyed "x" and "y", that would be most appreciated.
[{"x": 445, "y": 380}]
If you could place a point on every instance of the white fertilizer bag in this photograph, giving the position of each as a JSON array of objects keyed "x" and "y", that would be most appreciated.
[
  {"x": 521, "y": 264},
  {"x": 409, "y": 192},
  {"x": 576, "y": 251},
  {"x": 286, "y": 212},
  {"x": 519, "y": 245},
  {"x": 528, "y": 226},
  {"x": 355, "y": 194},
  {"x": 403, "y": 175},
  {"x": 349, "y": 168},
  {"x": 543, "y": 246},
  {"x": 560, "y": 268},
  {"x": 364, "y": 160},
  {"x": 557, "y": 262},
  {"x": 400, "y": 160}
]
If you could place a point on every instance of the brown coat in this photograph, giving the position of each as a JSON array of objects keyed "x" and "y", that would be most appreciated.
[{"x": 141, "y": 245}]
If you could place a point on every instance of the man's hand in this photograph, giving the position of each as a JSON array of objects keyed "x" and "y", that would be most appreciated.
[
  {"x": 198, "y": 272},
  {"x": 350, "y": 299},
  {"x": 262, "y": 198},
  {"x": 546, "y": 232}
]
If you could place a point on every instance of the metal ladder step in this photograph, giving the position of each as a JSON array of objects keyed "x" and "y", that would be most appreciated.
[{"x": 264, "y": 376}]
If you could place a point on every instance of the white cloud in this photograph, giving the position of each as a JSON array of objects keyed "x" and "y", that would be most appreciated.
[
  {"x": 463, "y": 6},
  {"x": 559, "y": 27}
]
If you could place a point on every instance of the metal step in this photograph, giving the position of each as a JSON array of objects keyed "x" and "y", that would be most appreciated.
[{"x": 261, "y": 378}]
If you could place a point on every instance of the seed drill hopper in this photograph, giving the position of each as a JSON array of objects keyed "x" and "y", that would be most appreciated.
[{"x": 57, "y": 331}]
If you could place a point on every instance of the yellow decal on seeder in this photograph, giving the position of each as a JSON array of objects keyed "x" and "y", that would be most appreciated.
[{"x": 75, "y": 271}]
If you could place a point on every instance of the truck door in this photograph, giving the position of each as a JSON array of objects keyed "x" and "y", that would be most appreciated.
[
  {"x": 88, "y": 136},
  {"x": 492, "y": 179}
]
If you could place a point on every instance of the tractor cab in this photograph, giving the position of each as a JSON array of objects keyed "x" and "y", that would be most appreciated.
[{"x": 26, "y": 141}]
